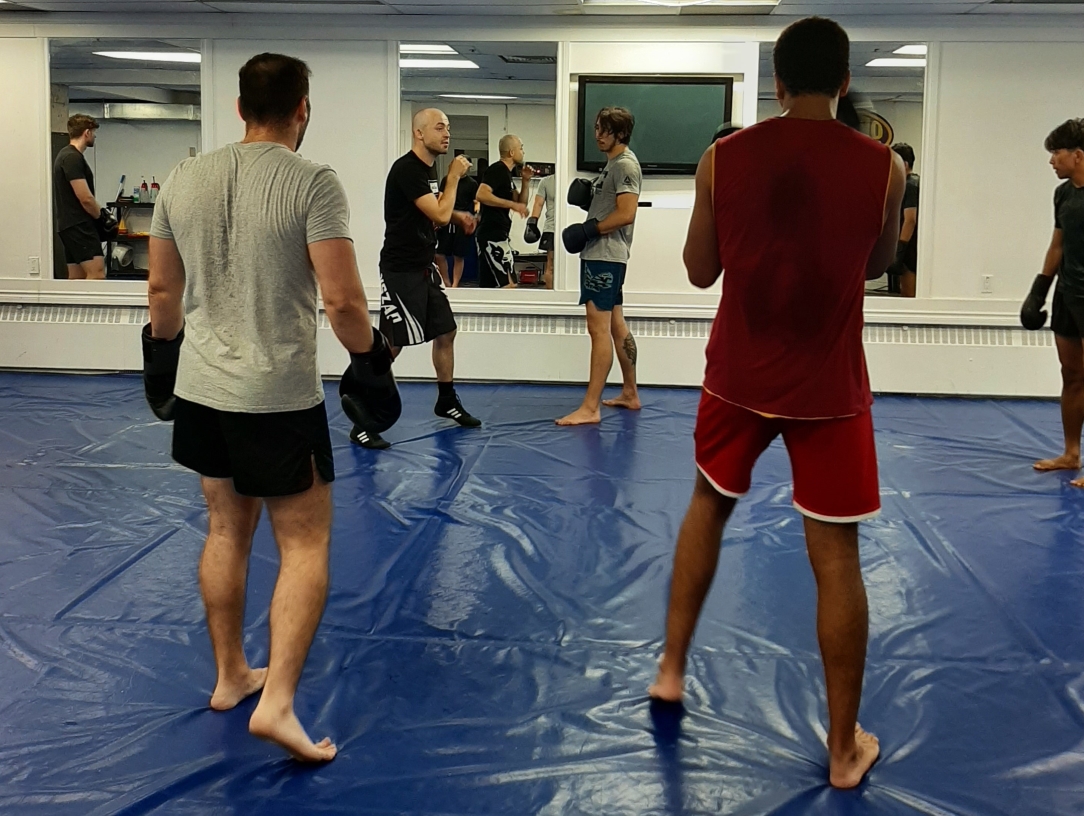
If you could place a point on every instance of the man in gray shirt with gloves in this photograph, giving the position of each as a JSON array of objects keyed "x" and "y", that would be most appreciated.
[{"x": 603, "y": 243}]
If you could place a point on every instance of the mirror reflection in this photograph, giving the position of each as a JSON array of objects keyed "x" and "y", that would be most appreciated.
[
  {"x": 123, "y": 114},
  {"x": 885, "y": 102},
  {"x": 498, "y": 99}
]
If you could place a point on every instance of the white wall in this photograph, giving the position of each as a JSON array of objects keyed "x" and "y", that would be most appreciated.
[
  {"x": 987, "y": 187},
  {"x": 137, "y": 150},
  {"x": 351, "y": 127},
  {"x": 25, "y": 171}
]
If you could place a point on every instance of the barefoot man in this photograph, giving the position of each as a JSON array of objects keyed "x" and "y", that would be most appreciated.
[
  {"x": 240, "y": 239},
  {"x": 1065, "y": 258},
  {"x": 603, "y": 243},
  {"x": 799, "y": 210}
]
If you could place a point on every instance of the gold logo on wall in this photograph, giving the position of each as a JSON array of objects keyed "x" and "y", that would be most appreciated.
[{"x": 875, "y": 126}]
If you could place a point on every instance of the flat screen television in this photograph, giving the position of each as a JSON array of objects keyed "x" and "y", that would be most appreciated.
[{"x": 676, "y": 116}]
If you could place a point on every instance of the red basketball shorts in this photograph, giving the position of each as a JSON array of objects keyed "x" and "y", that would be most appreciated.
[{"x": 833, "y": 461}]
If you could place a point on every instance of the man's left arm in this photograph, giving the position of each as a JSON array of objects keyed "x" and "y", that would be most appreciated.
[{"x": 165, "y": 288}]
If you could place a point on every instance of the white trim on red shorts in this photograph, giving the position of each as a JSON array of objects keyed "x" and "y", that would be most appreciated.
[
  {"x": 836, "y": 519},
  {"x": 719, "y": 489}
]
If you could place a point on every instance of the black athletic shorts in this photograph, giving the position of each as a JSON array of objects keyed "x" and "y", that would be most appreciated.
[
  {"x": 495, "y": 263},
  {"x": 451, "y": 240},
  {"x": 413, "y": 307},
  {"x": 81, "y": 243},
  {"x": 1067, "y": 315},
  {"x": 546, "y": 244},
  {"x": 266, "y": 455}
]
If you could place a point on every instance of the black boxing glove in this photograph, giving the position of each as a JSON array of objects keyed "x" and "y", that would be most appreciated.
[
  {"x": 581, "y": 192},
  {"x": 576, "y": 237},
  {"x": 531, "y": 235},
  {"x": 369, "y": 395},
  {"x": 160, "y": 372},
  {"x": 1032, "y": 313},
  {"x": 107, "y": 225}
]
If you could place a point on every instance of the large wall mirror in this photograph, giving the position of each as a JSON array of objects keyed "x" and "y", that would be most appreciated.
[
  {"x": 887, "y": 80},
  {"x": 493, "y": 93},
  {"x": 123, "y": 114}
]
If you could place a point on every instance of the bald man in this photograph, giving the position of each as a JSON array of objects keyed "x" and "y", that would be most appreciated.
[
  {"x": 499, "y": 199},
  {"x": 413, "y": 306}
]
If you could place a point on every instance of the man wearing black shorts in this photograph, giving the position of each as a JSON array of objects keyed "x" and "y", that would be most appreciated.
[
  {"x": 455, "y": 239},
  {"x": 76, "y": 208},
  {"x": 249, "y": 411},
  {"x": 499, "y": 198},
  {"x": 1065, "y": 259},
  {"x": 414, "y": 308}
]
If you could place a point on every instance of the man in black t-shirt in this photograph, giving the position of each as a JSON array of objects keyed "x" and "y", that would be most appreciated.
[
  {"x": 499, "y": 198},
  {"x": 906, "y": 263},
  {"x": 75, "y": 207},
  {"x": 1065, "y": 259},
  {"x": 455, "y": 239},
  {"x": 413, "y": 306}
]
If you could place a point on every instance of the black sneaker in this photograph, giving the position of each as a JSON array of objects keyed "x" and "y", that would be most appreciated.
[
  {"x": 372, "y": 441},
  {"x": 452, "y": 408}
]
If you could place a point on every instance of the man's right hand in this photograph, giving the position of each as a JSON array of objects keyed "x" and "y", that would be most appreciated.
[
  {"x": 460, "y": 166},
  {"x": 519, "y": 209}
]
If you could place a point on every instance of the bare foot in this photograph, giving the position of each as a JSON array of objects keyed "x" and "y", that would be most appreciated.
[
  {"x": 581, "y": 416},
  {"x": 1064, "y": 462},
  {"x": 668, "y": 687},
  {"x": 847, "y": 771},
  {"x": 285, "y": 730},
  {"x": 1077, "y": 482},
  {"x": 229, "y": 693},
  {"x": 624, "y": 401}
]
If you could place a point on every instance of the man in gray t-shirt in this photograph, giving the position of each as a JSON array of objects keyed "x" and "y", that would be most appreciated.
[
  {"x": 544, "y": 196},
  {"x": 604, "y": 242},
  {"x": 239, "y": 241}
]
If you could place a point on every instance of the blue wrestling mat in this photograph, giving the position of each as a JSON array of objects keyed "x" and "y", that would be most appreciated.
[{"x": 496, "y": 610}]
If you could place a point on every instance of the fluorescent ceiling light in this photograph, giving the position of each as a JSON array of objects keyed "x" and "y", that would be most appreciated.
[
  {"x": 892, "y": 62},
  {"x": 410, "y": 62},
  {"x": 911, "y": 50},
  {"x": 680, "y": 3},
  {"x": 426, "y": 48},
  {"x": 475, "y": 96},
  {"x": 151, "y": 56}
]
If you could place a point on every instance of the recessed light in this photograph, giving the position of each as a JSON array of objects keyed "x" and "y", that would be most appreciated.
[
  {"x": 892, "y": 62},
  {"x": 912, "y": 50},
  {"x": 426, "y": 48},
  {"x": 152, "y": 56},
  {"x": 410, "y": 62},
  {"x": 475, "y": 96}
]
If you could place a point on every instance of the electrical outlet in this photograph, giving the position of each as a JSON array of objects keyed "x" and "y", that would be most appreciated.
[
  {"x": 987, "y": 284},
  {"x": 34, "y": 266}
]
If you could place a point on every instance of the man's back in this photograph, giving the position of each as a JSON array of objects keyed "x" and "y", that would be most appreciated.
[
  {"x": 799, "y": 205},
  {"x": 242, "y": 218}
]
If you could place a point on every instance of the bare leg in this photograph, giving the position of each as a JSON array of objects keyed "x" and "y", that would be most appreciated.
[
  {"x": 457, "y": 272},
  {"x": 547, "y": 276},
  {"x": 444, "y": 356},
  {"x": 302, "y": 526},
  {"x": 75, "y": 272},
  {"x": 695, "y": 559},
  {"x": 94, "y": 268},
  {"x": 625, "y": 344},
  {"x": 223, "y": 572},
  {"x": 602, "y": 360},
  {"x": 442, "y": 267},
  {"x": 842, "y": 631},
  {"x": 907, "y": 284},
  {"x": 1071, "y": 355}
]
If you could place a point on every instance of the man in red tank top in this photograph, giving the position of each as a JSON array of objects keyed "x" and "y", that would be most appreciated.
[{"x": 795, "y": 213}]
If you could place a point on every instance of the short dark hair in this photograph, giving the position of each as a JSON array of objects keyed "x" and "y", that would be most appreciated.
[
  {"x": 905, "y": 152},
  {"x": 271, "y": 88},
  {"x": 79, "y": 124},
  {"x": 618, "y": 122},
  {"x": 812, "y": 56},
  {"x": 1068, "y": 135}
]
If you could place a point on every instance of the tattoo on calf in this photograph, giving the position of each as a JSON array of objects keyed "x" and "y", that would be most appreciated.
[{"x": 629, "y": 345}]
